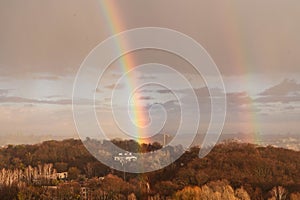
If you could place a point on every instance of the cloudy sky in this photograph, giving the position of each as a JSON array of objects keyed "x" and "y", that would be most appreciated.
[{"x": 255, "y": 45}]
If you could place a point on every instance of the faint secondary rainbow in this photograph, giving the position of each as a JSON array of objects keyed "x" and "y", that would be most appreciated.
[
  {"x": 240, "y": 55},
  {"x": 116, "y": 25}
]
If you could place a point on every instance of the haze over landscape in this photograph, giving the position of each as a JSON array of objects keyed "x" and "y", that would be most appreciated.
[{"x": 255, "y": 45}]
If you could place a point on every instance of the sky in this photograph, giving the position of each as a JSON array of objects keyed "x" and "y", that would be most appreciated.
[{"x": 255, "y": 45}]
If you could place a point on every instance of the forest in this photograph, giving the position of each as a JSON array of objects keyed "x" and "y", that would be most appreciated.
[{"x": 232, "y": 170}]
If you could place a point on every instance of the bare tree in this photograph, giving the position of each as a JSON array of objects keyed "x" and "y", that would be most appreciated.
[{"x": 279, "y": 193}]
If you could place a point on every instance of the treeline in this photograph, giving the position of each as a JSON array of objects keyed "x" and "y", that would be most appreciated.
[
  {"x": 256, "y": 169},
  {"x": 234, "y": 168}
]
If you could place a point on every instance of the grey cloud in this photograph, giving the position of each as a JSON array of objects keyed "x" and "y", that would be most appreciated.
[
  {"x": 145, "y": 77},
  {"x": 47, "y": 77},
  {"x": 4, "y": 92},
  {"x": 107, "y": 99},
  {"x": 281, "y": 99},
  {"x": 168, "y": 105},
  {"x": 147, "y": 91},
  {"x": 233, "y": 99},
  {"x": 29, "y": 105},
  {"x": 164, "y": 91},
  {"x": 285, "y": 92},
  {"x": 171, "y": 104},
  {"x": 146, "y": 98},
  {"x": 14, "y": 99},
  {"x": 99, "y": 90},
  {"x": 289, "y": 108},
  {"x": 238, "y": 98},
  {"x": 200, "y": 92},
  {"x": 286, "y": 87},
  {"x": 114, "y": 86},
  {"x": 53, "y": 96},
  {"x": 204, "y": 92}
]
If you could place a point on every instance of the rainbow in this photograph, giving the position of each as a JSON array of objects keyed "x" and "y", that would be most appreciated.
[
  {"x": 239, "y": 54},
  {"x": 116, "y": 25},
  {"x": 237, "y": 51}
]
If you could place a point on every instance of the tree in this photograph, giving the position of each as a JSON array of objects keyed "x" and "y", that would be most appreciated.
[
  {"x": 295, "y": 196},
  {"x": 115, "y": 186},
  {"x": 73, "y": 173},
  {"x": 166, "y": 188},
  {"x": 9, "y": 192},
  {"x": 188, "y": 193},
  {"x": 67, "y": 191},
  {"x": 278, "y": 193},
  {"x": 61, "y": 166},
  {"x": 32, "y": 193},
  {"x": 242, "y": 194}
]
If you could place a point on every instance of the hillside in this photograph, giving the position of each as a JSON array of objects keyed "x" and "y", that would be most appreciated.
[{"x": 251, "y": 169}]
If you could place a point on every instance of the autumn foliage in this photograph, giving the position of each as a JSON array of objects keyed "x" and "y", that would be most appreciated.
[{"x": 231, "y": 170}]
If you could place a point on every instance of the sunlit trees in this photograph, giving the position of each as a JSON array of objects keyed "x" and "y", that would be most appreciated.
[
  {"x": 222, "y": 189},
  {"x": 278, "y": 193},
  {"x": 295, "y": 196},
  {"x": 188, "y": 193},
  {"x": 219, "y": 190},
  {"x": 251, "y": 171},
  {"x": 114, "y": 187},
  {"x": 241, "y": 194}
]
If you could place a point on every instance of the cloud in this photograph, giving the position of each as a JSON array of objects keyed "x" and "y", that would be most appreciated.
[
  {"x": 238, "y": 99},
  {"x": 172, "y": 104},
  {"x": 285, "y": 92},
  {"x": 147, "y": 91},
  {"x": 234, "y": 100},
  {"x": 53, "y": 96},
  {"x": 114, "y": 86},
  {"x": 29, "y": 105},
  {"x": 14, "y": 99},
  {"x": 281, "y": 99},
  {"x": 164, "y": 91},
  {"x": 47, "y": 77},
  {"x": 289, "y": 108},
  {"x": 200, "y": 92},
  {"x": 146, "y": 98},
  {"x": 286, "y": 87},
  {"x": 99, "y": 90},
  {"x": 20, "y": 122},
  {"x": 4, "y": 92},
  {"x": 145, "y": 77}
]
